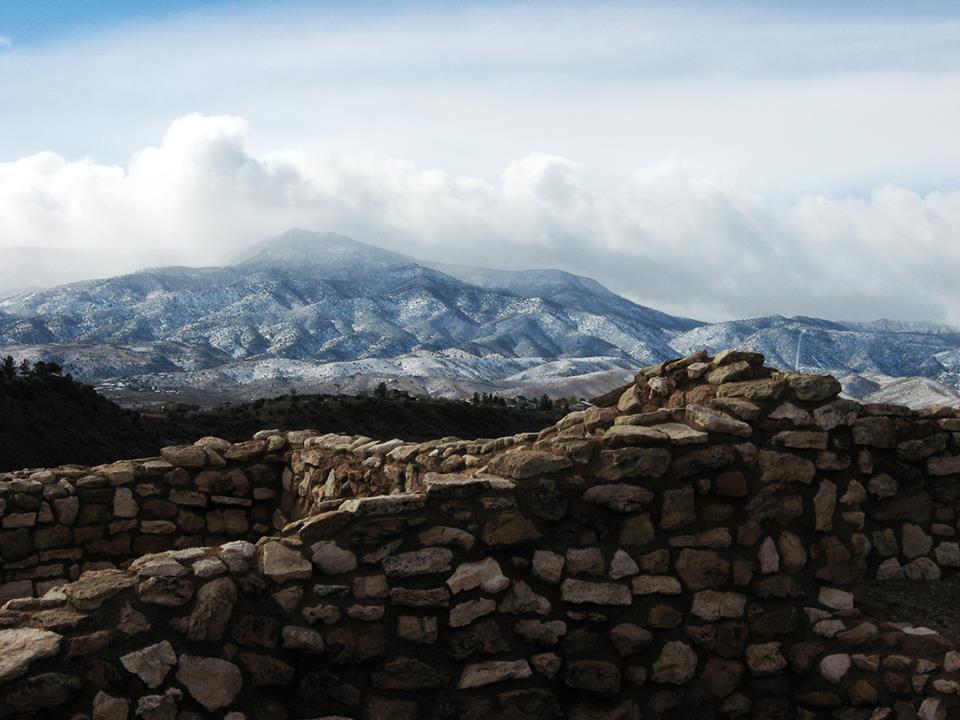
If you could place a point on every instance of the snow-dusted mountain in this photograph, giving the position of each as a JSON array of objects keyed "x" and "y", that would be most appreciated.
[
  {"x": 887, "y": 348},
  {"x": 309, "y": 300},
  {"x": 321, "y": 311}
]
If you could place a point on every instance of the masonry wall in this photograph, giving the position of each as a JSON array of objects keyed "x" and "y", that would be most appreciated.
[
  {"x": 56, "y": 523},
  {"x": 692, "y": 551}
]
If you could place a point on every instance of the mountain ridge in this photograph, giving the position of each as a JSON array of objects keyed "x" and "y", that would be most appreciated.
[{"x": 315, "y": 303}]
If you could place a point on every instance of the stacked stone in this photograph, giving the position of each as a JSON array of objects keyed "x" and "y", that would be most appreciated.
[
  {"x": 56, "y": 523},
  {"x": 331, "y": 467},
  {"x": 694, "y": 546}
]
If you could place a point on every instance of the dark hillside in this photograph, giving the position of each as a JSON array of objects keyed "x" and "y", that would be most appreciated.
[{"x": 47, "y": 419}]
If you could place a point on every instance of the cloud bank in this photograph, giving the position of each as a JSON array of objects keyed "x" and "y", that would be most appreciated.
[{"x": 668, "y": 235}]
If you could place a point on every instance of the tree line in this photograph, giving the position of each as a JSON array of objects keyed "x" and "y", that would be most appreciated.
[{"x": 9, "y": 369}]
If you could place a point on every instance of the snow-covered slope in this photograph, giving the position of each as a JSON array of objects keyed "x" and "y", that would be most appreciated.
[
  {"x": 914, "y": 392},
  {"x": 321, "y": 310},
  {"x": 324, "y": 300},
  {"x": 894, "y": 349}
]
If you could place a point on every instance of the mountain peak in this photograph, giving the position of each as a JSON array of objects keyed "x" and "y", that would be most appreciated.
[{"x": 321, "y": 255}]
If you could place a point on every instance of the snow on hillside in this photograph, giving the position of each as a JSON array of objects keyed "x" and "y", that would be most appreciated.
[{"x": 322, "y": 310}]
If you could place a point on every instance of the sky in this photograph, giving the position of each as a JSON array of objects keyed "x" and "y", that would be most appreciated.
[{"x": 712, "y": 160}]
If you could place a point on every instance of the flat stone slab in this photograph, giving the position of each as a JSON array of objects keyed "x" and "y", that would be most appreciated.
[{"x": 20, "y": 647}]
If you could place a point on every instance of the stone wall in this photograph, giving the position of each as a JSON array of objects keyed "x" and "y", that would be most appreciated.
[
  {"x": 56, "y": 523},
  {"x": 692, "y": 551}
]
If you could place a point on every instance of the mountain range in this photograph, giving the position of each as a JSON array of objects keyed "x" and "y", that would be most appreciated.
[{"x": 321, "y": 312}]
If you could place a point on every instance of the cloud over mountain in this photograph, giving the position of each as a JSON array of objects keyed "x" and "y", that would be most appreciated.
[{"x": 666, "y": 234}]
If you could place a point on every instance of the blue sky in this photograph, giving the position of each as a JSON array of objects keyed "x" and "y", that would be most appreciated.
[
  {"x": 37, "y": 21},
  {"x": 806, "y": 149},
  {"x": 32, "y": 21}
]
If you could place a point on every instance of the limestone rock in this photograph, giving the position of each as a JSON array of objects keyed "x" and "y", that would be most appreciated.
[
  {"x": 542, "y": 633},
  {"x": 948, "y": 554},
  {"x": 628, "y": 434},
  {"x": 428, "y": 561},
  {"x": 21, "y": 646},
  {"x": 681, "y": 434},
  {"x": 765, "y": 658},
  {"x": 281, "y": 563},
  {"x": 522, "y": 599},
  {"x": 882, "y": 486},
  {"x": 211, "y": 612},
  {"x": 702, "y": 569},
  {"x": 581, "y": 591},
  {"x": 838, "y": 413},
  {"x": 789, "y": 411},
  {"x": 813, "y": 388},
  {"x": 152, "y": 663},
  {"x": 96, "y": 587},
  {"x": 466, "y": 612},
  {"x": 729, "y": 373},
  {"x": 443, "y": 535},
  {"x": 875, "y": 432},
  {"x": 915, "y": 542},
  {"x": 487, "y": 673},
  {"x": 714, "y": 605},
  {"x": 792, "y": 551},
  {"x": 676, "y": 664},
  {"x": 939, "y": 466},
  {"x": 107, "y": 707},
  {"x": 510, "y": 529},
  {"x": 212, "y": 682},
  {"x": 703, "y": 460},
  {"x": 622, "y": 565},
  {"x": 632, "y": 462},
  {"x": 629, "y": 639},
  {"x": 776, "y": 467},
  {"x": 301, "y": 639},
  {"x": 678, "y": 509},
  {"x": 522, "y": 464},
  {"x": 586, "y": 561},
  {"x": 185, "y": 456},
  {"x": 711, "y": 420},
  {"x": 166, "y": 591},
  {"x": 332, "y": 559},
  {"x": 485, "y": 574},
  {"x": 922, "y": 568},
  {"x": 548, "y": 566},
  {"x": 421, "y": 630},
  {"x": 834, "y": 667},
  {"x": 765, "y": 389},
  {"x": 159, "y": 707},
  {"x": 124, "y": 506},
  {"x": 656, "y": 585}
]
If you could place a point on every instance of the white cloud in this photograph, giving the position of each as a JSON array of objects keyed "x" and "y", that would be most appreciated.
[
  {"x": 786, "y": 99},
  {"x": 668, "y": 234}
]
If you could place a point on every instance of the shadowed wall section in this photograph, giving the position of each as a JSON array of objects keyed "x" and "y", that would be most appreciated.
[{"x": 692, "y": 550}]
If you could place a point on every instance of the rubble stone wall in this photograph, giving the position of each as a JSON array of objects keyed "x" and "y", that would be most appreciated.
[
  {"x": 56, "y": 523},
  {"x": 692, "y": 550}
]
